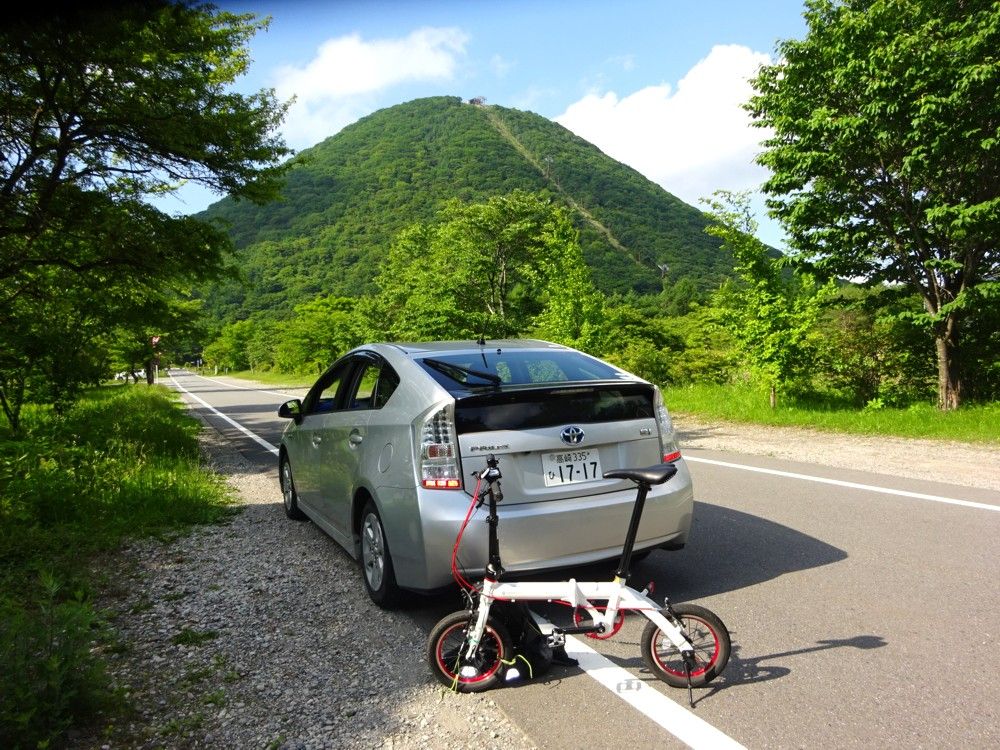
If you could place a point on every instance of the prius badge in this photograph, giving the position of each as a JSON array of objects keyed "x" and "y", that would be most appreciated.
[{"x": 572, "y": 436}]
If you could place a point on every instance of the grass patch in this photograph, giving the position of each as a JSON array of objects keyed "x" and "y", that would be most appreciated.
[
  {"x": 971, "y": 424},
  {"x": 122, "y": 463},
  {"x": 278, "y": 379}
]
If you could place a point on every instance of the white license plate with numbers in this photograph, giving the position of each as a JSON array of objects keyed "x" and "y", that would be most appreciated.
[{"x": 570, "y": 467}]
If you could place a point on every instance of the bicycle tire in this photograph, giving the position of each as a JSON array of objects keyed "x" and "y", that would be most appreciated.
[
  {"x": 707, "y": 634},
  {"x": 485, "y": 670}
]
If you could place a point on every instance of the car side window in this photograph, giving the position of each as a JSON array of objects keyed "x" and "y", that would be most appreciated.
[
  {"x": 323, "y": 397},
  {"x": 365, "y": 386},
  {"x": 388, "y": 381},
  {"x": 374, "y": 384}
]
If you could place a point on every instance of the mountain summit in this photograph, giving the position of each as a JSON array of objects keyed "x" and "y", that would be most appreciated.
[{"x": 346, "y": 198}]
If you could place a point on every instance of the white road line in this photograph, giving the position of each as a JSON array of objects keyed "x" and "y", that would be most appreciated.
[
  {"x": 852, "y": 485},
  {"x": 218, "y": 413},
  {"x": 692, "y": 730}
]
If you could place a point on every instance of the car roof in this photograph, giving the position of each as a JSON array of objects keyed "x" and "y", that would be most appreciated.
[{"x": 430, "y": 347}]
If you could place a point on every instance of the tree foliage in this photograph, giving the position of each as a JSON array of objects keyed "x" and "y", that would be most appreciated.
[
  {"x": 772, "y": 316},
  {"x": 484, "y": 269},
  {"x": 103, "y": 107},
  {"x": 109, "y": 103},
  {"x": 885, "y": 154}
]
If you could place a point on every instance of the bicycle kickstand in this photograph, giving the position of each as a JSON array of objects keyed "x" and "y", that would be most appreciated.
[
  {"x": 687, "y": 669},
  {"x": 688, "y": 656}
]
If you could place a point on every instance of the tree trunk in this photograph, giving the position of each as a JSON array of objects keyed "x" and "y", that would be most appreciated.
[
  {"x": 12, "y": 405},
  {"x": 949, "y": 379}
]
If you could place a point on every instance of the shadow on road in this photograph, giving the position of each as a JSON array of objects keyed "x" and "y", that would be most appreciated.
[
  {"x": 746, "y": 671},
  {"x": 731, "y": 550}
]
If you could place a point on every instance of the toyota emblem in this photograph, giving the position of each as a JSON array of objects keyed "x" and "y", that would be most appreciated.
[{"x": 572, "y": 436}]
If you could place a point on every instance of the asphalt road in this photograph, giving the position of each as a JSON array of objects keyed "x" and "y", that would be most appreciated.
[{"x": 859, "y": 618}]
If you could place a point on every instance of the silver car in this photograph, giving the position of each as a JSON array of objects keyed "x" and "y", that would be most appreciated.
[{"x": 381, "y": 454}]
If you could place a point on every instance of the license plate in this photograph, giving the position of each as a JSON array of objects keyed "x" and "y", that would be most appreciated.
[{"x": 570, "y": 467}]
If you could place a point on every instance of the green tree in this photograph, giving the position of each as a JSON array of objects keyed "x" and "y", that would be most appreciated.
[
  {"x": 873, "y": 354},
  {"x": 230, "y": 347},
  {"x": 485, "y": 269},
  {"x": 110, "y": 103},
  {"x": 103, "y": 107},
  {"x": 772, "y": 315},
  {"x": 147, "y": 323},
  {"x": 319, "y": 332},
  {"x": 885, "y": 152}
]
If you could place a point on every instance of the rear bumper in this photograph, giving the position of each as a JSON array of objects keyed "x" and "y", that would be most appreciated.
[{"x": 539, "y": 536}]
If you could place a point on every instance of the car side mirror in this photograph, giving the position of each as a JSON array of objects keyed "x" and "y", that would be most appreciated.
[{"x": 291, "y": 410}]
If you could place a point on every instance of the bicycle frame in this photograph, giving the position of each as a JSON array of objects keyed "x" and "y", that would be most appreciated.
[
  {"x": 619, "y": 596},
  {"x": 580, "y": 594}
]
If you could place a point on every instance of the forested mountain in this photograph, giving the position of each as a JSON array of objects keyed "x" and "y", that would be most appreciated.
[{"x": 347, "y": 197}]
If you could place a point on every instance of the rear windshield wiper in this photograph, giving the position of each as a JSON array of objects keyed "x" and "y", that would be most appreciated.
[{"x": 453, "y": 371}]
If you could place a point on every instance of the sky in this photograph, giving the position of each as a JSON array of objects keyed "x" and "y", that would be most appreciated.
[{"x": 655, "y": 85}]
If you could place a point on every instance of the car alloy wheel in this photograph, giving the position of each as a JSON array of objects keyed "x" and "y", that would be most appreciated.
[{"x": 373, "y": 551}]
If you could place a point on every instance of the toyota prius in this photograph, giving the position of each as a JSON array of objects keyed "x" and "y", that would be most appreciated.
[{"x": 382, "y": 455}]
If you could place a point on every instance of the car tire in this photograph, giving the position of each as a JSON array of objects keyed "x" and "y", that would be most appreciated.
[
  {"x": 289, "y": 497},
  {"x": 377, "y": 571}
]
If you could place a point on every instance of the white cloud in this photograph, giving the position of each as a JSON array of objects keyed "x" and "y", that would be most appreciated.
[
  {"x": 500, "y": 66},
  {"x": 337, "y": 86},
  {"x": 625, "y": 62},
  {"x": 692, "y": 140}
]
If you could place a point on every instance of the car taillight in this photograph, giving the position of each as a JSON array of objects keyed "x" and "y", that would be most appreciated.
[
  {"x": 668, "y": 439},
  {"x": 439, "y": 451}
]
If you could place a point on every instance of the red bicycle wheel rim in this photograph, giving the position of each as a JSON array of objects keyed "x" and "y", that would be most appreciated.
[
  {"x": 681, "y": 672},
  {"x": 448, "y": 669}
]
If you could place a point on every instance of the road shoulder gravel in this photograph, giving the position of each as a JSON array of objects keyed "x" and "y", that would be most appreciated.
[
  {"x": 965, "y": 464},
  {"x": 256, "y": 633}
]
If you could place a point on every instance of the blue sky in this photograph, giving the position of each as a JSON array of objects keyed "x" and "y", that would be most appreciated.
[{"x": 656, "y": 85}]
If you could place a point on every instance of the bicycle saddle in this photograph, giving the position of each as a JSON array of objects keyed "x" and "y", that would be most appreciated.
[{"x": 650, "y": 475}]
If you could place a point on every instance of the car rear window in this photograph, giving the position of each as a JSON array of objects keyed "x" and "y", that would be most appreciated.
[
  {"x": 461, "y": 371},
  {"x": 548, "y": 407}
]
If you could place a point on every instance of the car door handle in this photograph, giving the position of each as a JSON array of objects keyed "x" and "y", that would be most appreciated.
[{"x": 355, "y": 438}]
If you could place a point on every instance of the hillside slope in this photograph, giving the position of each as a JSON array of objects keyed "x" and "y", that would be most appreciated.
[{"x": 348, "y": 196}]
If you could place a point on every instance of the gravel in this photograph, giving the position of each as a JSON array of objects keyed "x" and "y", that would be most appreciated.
[{"x": 256, "y": 633}]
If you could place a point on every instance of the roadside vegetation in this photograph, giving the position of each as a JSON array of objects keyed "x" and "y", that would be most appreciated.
[
  {"x": 972, "y": 423},
  {"x": 122, "y": 463},
  {"x": 105, "y": 107}
]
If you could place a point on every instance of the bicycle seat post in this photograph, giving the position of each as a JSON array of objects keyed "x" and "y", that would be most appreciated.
[
  {"x": 633, "y": 530},
  {"x": 494, "y": 567}
]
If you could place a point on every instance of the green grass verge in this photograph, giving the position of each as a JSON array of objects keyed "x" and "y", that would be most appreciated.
[
  {"x": 269, "y": 378},
  {"x": 972, "y": 424},
  {"x": 122, "y": 463}
]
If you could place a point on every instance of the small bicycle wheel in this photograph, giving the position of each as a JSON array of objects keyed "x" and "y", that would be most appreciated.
[
  {"x": 445, "y": 653},
  {"x": 707, "y": 634}
]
